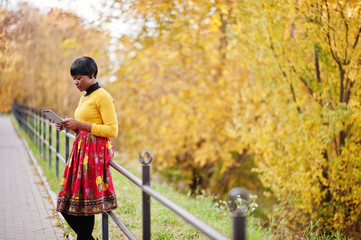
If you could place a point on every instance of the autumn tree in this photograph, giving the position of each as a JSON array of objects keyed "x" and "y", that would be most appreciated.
[
  {"x": 44, "y": 46},
  {"x": 7, "y": 19},
  {"x": 209, "y": 86},
  {"x": 301, "y": 116},
  {"x": 175, "y": 92}
]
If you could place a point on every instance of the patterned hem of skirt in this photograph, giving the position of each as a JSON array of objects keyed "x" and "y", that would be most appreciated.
[{"x": 86, "y": 207}]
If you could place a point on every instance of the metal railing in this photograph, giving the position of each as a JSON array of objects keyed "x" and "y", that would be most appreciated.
[{"x": 34, "y": 124}]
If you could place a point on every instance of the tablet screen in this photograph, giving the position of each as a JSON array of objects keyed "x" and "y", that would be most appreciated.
[{"x": 52, "y": 116}]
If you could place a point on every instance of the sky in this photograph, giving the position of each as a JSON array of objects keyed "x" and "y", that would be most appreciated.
[{"x": 89, "y": 10}]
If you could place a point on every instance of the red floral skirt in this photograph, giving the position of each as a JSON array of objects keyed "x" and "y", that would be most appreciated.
[{"x": 87, "y": 187}]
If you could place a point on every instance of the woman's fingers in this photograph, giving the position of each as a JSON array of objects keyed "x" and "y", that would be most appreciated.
[
  {"x": 66, "y": 122},
  {"x": 58, "y": 126},
  {"x": 69, "y": 123}
]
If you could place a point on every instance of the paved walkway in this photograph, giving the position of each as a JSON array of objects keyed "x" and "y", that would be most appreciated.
[{"x": 25, "y": 210}]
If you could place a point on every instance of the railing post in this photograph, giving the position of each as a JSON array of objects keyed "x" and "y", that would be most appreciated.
[
  {"x": 26, "y": 121},
  {"x": 57, "y": 151},
  {"x": 66, "y": 144},
  {"x": 44, "y": 137},
  {"x": 238, "y": 213},
  {"x": 34, "y": 127},
  {"x": 105, "y": 226},
  {"x": 21, "y": 122},
  {"x": 50, "y": 130},
  {"x": 39, "y": 118},
  {"x": 146, "y": 197},
  {"x": 19, "y": 116}
]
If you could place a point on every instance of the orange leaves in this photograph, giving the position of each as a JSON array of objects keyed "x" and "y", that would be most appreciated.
[{"x": 43, "y": 47}]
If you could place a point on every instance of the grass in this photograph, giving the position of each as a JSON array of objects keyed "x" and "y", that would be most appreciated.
[{"x": 164, "y": 223}]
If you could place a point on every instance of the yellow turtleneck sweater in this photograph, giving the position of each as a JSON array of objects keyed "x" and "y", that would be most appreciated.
[{"x": 98, "y": 109}]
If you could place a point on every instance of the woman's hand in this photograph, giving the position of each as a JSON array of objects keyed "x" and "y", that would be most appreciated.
[
  {"x": 71, "y": 124},
  {"x": 58, "y": 126},
  {"x": 75, "y": 125}
]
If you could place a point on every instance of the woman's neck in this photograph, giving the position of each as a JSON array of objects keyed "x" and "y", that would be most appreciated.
[{"x": 92, "y": 88}]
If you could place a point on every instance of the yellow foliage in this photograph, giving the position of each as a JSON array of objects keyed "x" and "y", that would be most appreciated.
[
  {"x": 218, "y": 83},
  {"x": 306, "y": 134},
  {"x": 39, "y": 51}
]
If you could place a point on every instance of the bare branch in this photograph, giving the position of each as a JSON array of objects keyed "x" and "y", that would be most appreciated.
[
  {"x": 294, "y": 97},
  {"x": 303, "y": 80},
  {"x": 282, "y": 71},
  {"x": 317, "y": 65},
  {"x": 357, "y": 38},
  {"x": 342, "y": 76},
  {"x": 307, "y": 86},
  {"x": 349, "y": 85},
  {"x": 335, "y": 57},
  {"x": 345, "y": 61}
]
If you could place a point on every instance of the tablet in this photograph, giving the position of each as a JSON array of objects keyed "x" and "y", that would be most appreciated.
[{"x": 52, "y": 116}]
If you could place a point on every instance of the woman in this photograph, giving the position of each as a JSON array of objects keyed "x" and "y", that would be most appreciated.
[{"x": 87, "y": 188}]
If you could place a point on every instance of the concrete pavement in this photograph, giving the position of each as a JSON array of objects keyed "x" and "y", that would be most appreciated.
[{"x": 25, "y": 208}]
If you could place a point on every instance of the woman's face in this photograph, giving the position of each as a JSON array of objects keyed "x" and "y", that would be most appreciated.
[{"x": 83, "y": 82}]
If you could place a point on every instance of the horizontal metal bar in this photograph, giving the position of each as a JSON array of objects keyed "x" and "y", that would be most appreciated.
[
  {"x": 122, "y": 226},
  {"x": 44, "y": 120},
  {"x": 127, "y": 174},
  {"x": 69, "y": 135},
  {"x": 53, "y": 149},
  {"x": 20, "y": 109},
  {"x": 61, "y": 157},
  {"x": 43, "y": 140}
]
